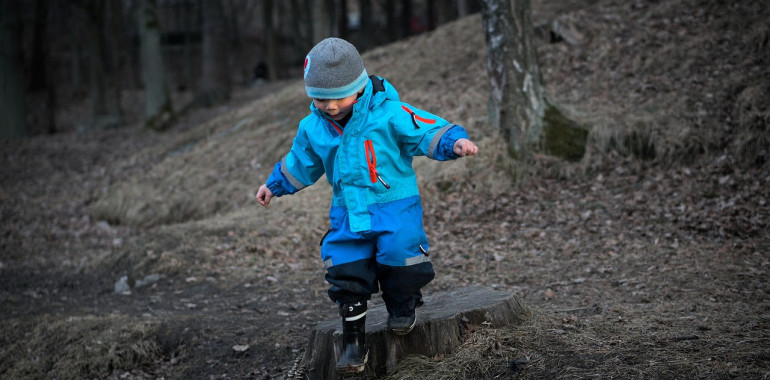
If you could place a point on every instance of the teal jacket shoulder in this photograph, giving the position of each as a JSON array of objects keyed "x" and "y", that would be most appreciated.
[{"x": 368, "y": 160}]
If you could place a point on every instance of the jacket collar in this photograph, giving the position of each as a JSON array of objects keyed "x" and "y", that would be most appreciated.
[{"x": 368, "y": 100}]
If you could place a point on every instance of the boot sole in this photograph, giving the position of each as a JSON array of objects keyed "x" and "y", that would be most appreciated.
[
  {"x": 405, "y": 330},
  {"x": 352, "y": 369}
]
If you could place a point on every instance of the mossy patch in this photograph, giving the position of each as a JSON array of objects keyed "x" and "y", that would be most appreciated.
[{"x": 563, "y": 137}]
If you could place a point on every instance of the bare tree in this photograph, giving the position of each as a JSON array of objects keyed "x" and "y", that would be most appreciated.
[
  {"x": 158, "y": 109},
  {"x": 75, "y": 40},
  {"x": 12, "y": 108},
  {"x": 365, "y": 25},
  {"x": 446, "y": 12},
  {"x": 215, "y": 80},
  {"x": 464, "y": 8},
  {"x": 518, "y": 105},
  {"x": 188, "y": 20},
  {"x": 38, "y": 80},
  {"x": 431, "y": 15},
  {"x": 320, "y": 21},
  {"x": 270, "y": 40},
  {"x": 103, "y": 76},
  {"x": 406, "y": 18},
  {"x": 342, "y": 20},
  {"x": 300, "y": 27},
  {"x": 516, "y": 98},
  {"x": 40, "y": 69}
]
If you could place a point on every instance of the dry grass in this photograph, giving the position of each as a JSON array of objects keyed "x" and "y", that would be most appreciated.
[
  {"x": 77, "y": 347},
  {"x": 208, "y": 169},
  {"x": 565, "y": 346}
]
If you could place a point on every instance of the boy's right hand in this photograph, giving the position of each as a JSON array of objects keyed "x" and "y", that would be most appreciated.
[
  {"x": 464, "y": 148},
  {"x": 264, "y": 195}
]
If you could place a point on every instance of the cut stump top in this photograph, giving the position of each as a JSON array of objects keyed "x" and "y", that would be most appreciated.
[{"x": 441, "y": 326}]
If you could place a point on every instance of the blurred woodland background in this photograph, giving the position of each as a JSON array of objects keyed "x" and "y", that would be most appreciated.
[{"x": 59, "y": 52}]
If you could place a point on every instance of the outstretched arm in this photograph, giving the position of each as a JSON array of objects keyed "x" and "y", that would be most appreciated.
[{"x": 298, "y": 169}]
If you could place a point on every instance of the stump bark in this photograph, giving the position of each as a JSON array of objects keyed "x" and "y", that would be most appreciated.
[{"x": 442, "y": 323}]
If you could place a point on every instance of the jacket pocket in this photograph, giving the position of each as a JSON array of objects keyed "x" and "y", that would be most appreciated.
[{"x": 371, "y": 162}]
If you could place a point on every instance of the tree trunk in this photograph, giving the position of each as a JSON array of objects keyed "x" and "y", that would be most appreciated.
[
  {"x": 342, "y": 20},
  {"x": 215, "y": 80},
  {"x": 518, "y": 105},
  {"x": 158, "y": 110},
  {"x": 331, "y": 12},
  {"x": 38, "y": 80},
  {"x": 390, "y": 19},
  {"x": 442, "y": 324},
  {"x": 406, "y": 18},
  {"x": 13, "y": 122},
  {"x": 115, "y": 44},
  {"x": 188, "y": 15},
  {"x": 300, "y": 28},
  {"x": 463, "y": 9},
  {"x": 271, "y": 42},
  {"x": 431, "y": 15},
  {"x": 517, "y": 99},
  {"x": 320, "y": 21},
  {"x": 105, "y": 105},
  {"x": 365, "y": 25},
  {"x": 40, "y": 83},
  {"x": 446, "y": 12}
]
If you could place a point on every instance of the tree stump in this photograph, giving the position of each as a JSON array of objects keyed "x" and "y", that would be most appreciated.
[{"x": 442, "y": 323}]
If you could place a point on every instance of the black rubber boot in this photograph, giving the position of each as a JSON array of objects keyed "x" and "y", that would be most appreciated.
[
  {"x": 401, "y": 320},
  {"x": 401, "y": 325},
  {"x": 354, "y": 352}
]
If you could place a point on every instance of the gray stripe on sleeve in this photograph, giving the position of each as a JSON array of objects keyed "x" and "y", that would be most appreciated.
[
  {"x": 285, "y": 171},
  {"x": 437, "y": 138}
]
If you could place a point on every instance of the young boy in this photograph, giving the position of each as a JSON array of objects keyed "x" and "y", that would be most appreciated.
[{"x": 363, "y": 138}]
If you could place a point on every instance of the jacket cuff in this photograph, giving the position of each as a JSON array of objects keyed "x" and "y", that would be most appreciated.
[
  {"x": 278, "y": 184},
  {"x": 444, "y": 149}
]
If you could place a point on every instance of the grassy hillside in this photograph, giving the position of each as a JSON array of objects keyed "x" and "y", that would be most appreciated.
[{"x": 656, "y": 239}]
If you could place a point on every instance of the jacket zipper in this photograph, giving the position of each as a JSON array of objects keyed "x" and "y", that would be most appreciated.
[
  {"x": 371, "y": 161},
  {"x": 333, "y": 124}
]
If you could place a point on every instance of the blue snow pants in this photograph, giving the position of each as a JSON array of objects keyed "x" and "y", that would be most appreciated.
[{"x": 392, "y": 256}]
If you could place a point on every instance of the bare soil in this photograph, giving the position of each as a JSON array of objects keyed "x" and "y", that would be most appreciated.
[{"x": 648, "y": 259}]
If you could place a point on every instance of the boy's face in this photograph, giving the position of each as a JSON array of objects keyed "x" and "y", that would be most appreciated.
[{"x": 337, "y": 109}]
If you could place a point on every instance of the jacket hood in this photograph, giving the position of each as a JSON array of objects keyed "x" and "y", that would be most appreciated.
[{"x": 381, "y": 90}]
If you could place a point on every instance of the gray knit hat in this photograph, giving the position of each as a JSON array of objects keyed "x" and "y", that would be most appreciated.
[{"x": 334, "y": 70}]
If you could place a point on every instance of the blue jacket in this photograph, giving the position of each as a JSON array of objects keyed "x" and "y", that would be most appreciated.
[{"x": 369, "y": 161}]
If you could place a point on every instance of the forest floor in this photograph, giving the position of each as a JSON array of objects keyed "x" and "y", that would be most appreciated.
[{"x": 646, "y": 260}]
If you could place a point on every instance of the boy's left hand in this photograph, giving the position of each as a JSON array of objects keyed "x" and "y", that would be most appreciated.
[
  {"x": 264, "y": 195},
  {"x": 465, "y": 147}
]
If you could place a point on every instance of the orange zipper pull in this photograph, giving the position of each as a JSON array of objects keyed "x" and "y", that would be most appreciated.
[{"x": 371, "y": 161}]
